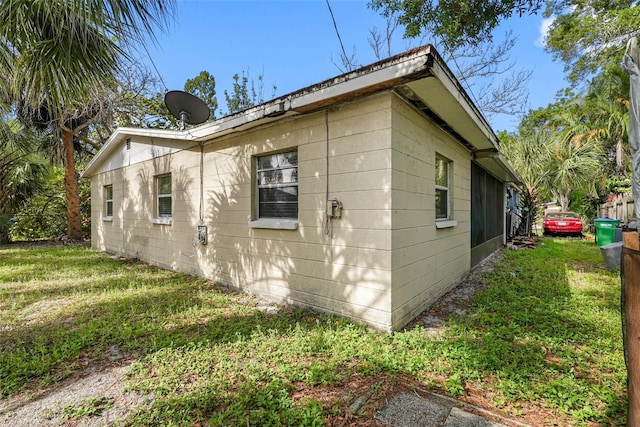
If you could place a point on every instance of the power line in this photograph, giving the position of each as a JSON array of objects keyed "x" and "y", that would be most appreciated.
[
  {"x": 346, "y": 61},
  {"x": 166, "y": 89}
]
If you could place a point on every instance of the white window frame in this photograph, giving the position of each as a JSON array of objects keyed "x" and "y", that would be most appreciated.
[
  {"x": 443, "y": 187},
  {"x": 260, "y": 183},
  {"x": 108, "y": 202},
  {"x": 163, "y": 218}
]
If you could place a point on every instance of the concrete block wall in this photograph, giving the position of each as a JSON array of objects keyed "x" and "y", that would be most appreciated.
[{"x": 426, "y": 261}]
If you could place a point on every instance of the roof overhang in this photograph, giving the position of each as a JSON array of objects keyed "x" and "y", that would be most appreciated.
[
  {"x": 420, "y": 76},
  {"x": 495, "y": 163}
]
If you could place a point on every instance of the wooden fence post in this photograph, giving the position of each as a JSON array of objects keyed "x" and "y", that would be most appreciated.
[{"x": 631, "y": 320}]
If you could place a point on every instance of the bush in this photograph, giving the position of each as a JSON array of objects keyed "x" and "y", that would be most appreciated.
[{"x": 45, "y": 215}]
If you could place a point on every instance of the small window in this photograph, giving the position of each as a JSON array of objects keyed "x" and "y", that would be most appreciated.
[
  {"x": 443, "y": 203},
  {"x": 277, "y": 184},
  {"x": 108, "y": 200},
  {"x": 164, "y": 196}
]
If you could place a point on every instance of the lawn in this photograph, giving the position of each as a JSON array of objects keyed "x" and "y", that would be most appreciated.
[{"x": 542, "y": 341}]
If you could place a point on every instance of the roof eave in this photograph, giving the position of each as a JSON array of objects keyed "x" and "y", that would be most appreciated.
[{"x": 419, "y": 71}]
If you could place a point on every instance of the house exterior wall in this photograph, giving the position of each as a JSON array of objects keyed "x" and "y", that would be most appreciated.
[
  {"x": 427, "y": 261},
  {"x": 346, "y": 270},
  {"x": 381, "y": 264}
]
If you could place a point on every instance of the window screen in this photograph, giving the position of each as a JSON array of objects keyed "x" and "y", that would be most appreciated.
[
  {"x": 442, "y": 188},
  {"x": 277, "y": 181},
  {"x": 164, "y": 196},
  {"x": 108, "y": 200}
]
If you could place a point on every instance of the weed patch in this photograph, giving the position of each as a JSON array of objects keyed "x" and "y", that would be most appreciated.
[{"x": 542, "y": 337}]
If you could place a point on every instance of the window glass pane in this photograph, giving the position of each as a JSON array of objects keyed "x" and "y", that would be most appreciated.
[
  {"x": 442, "y": 172},
  {"x": 278, "y": 176},
  {"x": 277, "y": 179},
  {"x": 441, "y": 204},
  {"x": 164, "y": 206},
  {"x": 108, "y": 199},
  {"x": 279, "y": 202},
  {"x": 278, "y": 161},
  {"x": 164, "y": 184}
]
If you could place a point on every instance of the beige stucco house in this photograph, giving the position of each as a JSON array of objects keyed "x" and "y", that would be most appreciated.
[{"x": 368, "y": 195}]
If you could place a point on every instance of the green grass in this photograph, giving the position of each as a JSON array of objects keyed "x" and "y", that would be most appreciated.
[{"x": 543, "y": 337}]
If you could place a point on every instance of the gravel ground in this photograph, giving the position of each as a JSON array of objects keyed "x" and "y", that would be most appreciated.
[{"x": 64, "y": 405}]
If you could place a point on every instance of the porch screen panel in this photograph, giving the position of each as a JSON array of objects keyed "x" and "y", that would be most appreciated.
[
  {"x": 487, "y": 206},
  {"x": 478, "y": 214}
]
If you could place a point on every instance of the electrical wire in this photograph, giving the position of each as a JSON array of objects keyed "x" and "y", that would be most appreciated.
[
  {"x": 166, "y": 89},
  {"x": 346, "y": 61}
]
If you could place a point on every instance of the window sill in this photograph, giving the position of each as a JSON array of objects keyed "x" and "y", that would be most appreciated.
[
  {"x": 107, "y": 218},
  {"x": 161, "y": 221},
  {"x": 274, "y": 223},
  {"x": 446, "y": 223}
]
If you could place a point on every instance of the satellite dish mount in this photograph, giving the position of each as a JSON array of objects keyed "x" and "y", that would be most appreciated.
[{"x": 187, "y": 108}]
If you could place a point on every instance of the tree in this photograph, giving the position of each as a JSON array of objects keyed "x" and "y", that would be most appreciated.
[
  {"x": 608, "y": 102},
  {"x": 585, "y": 34},
  {"x": 381, "y": 42},
  {"x": 589, "y": 35},
  {"x": 485, "y": 69},
  {"x": 529, "y": 154},
  {"x": 243, "y": 96},
  {"x": 204, "y": 87},
  {"x": 42, "y": 215},
  {"x": 59, "y": 55},
  {"x": 457, "y": 22},
  {"x": 576, "y": 163},
  {"x": 138, "y": 101},
  {"x": 22, "y": 171},
  {"x": 491, "y": 75}
]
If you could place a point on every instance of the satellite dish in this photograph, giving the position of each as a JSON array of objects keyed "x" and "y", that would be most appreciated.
[{"x": 186, "y": 107}]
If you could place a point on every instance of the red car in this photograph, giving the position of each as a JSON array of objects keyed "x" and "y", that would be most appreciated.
[{"x": 562, "y": 223}]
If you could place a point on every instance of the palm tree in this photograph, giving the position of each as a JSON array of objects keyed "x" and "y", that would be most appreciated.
[
  {"x": 57, "y": 56},
  {"x": 22, "y": 172},
  {"x": 530, "y": 155},
  {"x": 608, "y": 98},
  {"x": 576, "y": 160}
]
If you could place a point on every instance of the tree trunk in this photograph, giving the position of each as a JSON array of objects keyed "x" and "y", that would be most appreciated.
[{"x": 74, "y": 227}]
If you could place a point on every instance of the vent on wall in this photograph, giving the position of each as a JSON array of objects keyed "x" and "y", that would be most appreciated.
[{"x": 128, "y": 144}]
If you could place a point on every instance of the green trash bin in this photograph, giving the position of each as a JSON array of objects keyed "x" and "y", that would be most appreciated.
[{"x": 605, "y": 230}]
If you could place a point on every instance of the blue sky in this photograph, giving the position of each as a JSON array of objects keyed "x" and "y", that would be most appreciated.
[{"x": 293, "y": 44}]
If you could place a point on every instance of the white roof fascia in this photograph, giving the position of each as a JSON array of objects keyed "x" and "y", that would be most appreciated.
[
  {"x": 442, "y": 73},
  {"x": 354, "y": 81},
  {"x": 398, "y": 70},
  {"x": 401, "y": 66}
]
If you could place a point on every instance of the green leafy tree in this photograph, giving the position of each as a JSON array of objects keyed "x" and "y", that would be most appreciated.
[
  {"x": 586, "y": 35},
  {"x": 458, "y": 22},
  {"x": 243, "y": 95},
  {"x": 204, "y": 87},
  {"x": 589, "y": 35},
  {"x": 42, "y": 216},
  {"x": 608, "y": 102},
  {"x": 576, "y": 163},
  {"x": 58, "y": 56},
  {"x": 530, "y": 156},
  {"x": 22, "y": 171}
]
